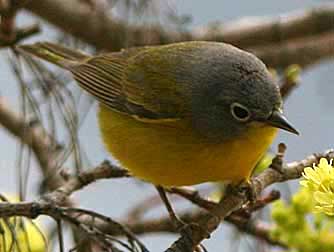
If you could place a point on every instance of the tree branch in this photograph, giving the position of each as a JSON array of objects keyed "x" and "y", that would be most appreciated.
[
  {"x": 19, "y": 35},
  {"x": 70, "y": 215},
  {"x": 257, "y": 229},
  {"x": 101, "y": 29},
  {"x": 254, "y": 31},
  {"x": 304, "y": 51},
  {"x": 233, "y": 201},
  {"x": 106, "y": 32},
  {"x": 76, "y": 182},
  {"x": 33, "y": 134}
]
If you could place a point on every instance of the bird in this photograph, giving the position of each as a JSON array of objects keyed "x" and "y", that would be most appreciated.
[
  {"x": 182, "y": 113},
  {"x": 179, "y": 114}
]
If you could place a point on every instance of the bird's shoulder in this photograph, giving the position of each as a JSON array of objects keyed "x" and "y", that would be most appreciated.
[{"x": 138, "y": 81}]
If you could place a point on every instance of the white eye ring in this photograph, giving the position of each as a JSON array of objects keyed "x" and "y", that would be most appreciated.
[{"x": 240, "y": 112}]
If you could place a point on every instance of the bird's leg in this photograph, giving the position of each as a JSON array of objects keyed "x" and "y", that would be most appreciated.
[
  {"x": 185, "y": 229},
  {"x": 177, "y": 222}
]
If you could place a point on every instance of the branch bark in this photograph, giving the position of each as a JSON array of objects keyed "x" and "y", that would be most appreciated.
[
  {"x": 254, "y": 31},
  {"x": 304, "y": 51},
  {"x": 105, "y": 32},
  {"x": 19, "y": 35},
  {"x": 277, "y": 35},
  {"x": 44, "y": 147},
  {"x": 33, "y": 134}
]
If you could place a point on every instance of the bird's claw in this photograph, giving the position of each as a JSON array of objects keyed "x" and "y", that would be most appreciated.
[{"x": 247, "y": 189}]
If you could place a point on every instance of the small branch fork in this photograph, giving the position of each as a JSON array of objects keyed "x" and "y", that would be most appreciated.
[{"x": 72, "y": 216}]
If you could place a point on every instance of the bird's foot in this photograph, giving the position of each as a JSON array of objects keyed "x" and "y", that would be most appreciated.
[
  {"x": 247, "y": 188},
  {"x": 244, "y": 188},
  {"x": 187, "y": 230}
]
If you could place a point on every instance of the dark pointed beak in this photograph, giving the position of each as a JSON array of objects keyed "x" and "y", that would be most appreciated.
[{"x": 278, "y": 120}]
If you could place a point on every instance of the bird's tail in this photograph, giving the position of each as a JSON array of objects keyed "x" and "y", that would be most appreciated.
[{"x": 56, "y": 54}]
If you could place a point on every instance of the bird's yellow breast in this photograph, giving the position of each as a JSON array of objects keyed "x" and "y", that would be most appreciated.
[{"x": 174, "y": 156}]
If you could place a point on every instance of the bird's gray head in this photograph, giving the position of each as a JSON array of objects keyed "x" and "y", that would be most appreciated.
[{"x": 234, "y": 89}]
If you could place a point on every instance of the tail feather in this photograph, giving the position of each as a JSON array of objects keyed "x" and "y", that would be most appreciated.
[{"x": 56, "y": 54}]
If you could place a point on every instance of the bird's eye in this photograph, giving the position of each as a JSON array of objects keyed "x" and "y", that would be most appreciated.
[{"x": 240, "y": 112}]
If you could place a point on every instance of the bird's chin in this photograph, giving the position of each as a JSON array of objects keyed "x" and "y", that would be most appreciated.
[{"x": 257, "y": 124}]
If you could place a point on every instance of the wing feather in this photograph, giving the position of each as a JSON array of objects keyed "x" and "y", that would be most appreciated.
[{"x": 120, "y": 83}]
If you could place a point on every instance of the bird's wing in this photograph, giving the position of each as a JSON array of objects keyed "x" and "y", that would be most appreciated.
[{"x": 134, "y": 82}]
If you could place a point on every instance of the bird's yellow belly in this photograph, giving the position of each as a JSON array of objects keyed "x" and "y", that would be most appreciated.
[{"x": 168, "y": 156}]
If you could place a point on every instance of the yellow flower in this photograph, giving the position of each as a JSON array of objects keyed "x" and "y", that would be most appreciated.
[
  {"x": 325, "y": 202},
  {"x": 319, "y": 180}
]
